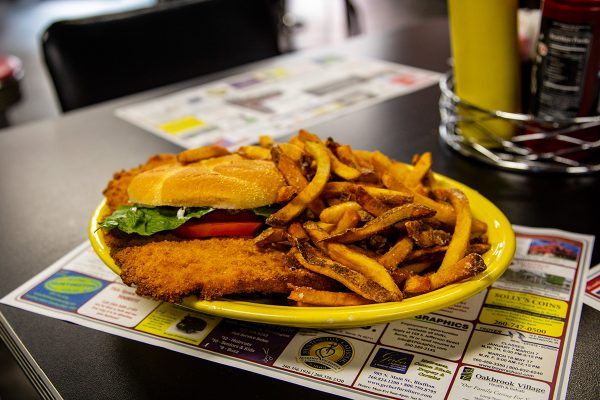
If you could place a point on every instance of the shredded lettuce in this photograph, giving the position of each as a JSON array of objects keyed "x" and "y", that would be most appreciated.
[{"x": 147, "y": 221}]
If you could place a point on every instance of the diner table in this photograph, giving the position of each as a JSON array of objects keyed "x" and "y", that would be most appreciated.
[{"x": 52, "y": 174}]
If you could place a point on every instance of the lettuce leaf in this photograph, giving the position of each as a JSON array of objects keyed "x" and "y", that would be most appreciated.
[
  {"x": 147, "y": 221},
  {"x": 265, "y": 211}
]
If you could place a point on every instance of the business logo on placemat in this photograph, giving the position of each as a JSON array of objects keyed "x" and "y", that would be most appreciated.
[
  {"x": 391, "y": 360},
  {"x": 326, "y": 353},
  {"x": 65, "y": 290},
  {"x": 467, "y": 374}
]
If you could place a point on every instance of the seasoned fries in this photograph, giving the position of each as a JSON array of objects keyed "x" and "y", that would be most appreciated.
[
  {"x": 382, "y": 229},
  {"x": 384, "y": 221},
  {"x": 312, "y": 259}
]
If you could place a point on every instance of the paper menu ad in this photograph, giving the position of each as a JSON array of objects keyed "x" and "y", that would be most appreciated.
[
  {"x": 275, "y": 100},
  {"x": 513, "y": 340},
  {"x": 592, "y": 289}
]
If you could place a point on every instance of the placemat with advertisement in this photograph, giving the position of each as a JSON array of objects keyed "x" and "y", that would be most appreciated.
[
  {"x": 274, "y": 100},
  {"x": 513, "y": 340}
]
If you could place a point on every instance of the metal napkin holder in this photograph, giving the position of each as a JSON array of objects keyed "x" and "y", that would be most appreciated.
[{"x": 568, "y": 154}]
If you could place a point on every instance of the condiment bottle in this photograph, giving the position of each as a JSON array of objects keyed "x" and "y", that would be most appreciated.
[
  {"x": 486, "y": 63},
  {"x": 565, "y": 76}
]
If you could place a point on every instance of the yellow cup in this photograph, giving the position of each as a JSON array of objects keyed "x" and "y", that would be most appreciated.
[{"x": 484, "y": 41}]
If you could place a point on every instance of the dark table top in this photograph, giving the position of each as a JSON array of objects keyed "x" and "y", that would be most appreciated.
[{"x": 52, "y": 174}]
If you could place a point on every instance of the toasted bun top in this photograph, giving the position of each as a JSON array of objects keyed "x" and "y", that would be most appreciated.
[{"x": 229, "y": 182}]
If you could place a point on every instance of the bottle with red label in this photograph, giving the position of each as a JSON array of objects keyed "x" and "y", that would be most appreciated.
[{"x": 566, "y": 72}]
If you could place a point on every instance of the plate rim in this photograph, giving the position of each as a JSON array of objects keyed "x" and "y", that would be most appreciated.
[{"x": 351, "y": 316}]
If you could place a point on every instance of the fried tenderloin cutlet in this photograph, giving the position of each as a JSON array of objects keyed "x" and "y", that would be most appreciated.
[
  {"x": 166, "y": 267},
  {"x": 210, "y": 268}
]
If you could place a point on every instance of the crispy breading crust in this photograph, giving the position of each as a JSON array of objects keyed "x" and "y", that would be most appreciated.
[
  {"x": 166, "y": 267},
  {"x": 210, "y": 268}
]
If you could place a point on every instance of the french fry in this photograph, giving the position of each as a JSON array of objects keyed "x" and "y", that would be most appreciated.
[
  {"x": 293, "y": 175},
  {"x": 326, "y": 227},
  {"x": 306, "y": 136},
  {"x": 462, "y": 228},
  {"x": 297, "y": 232},
  {"x": 466, "y": 267},
  {"x": 311, "y": 192},
  {"x": 334, "y": 213},
  {"x": 365, "y": 265},
  {"x": 364, "y": 158},
  {"x": 270, "y": 235},
  {"x": 417, "y": 284},
  {"x": 416, "y": 268},
  {"x": 422, "y": 166},
  {"x": 266, "y": 141},
  {"x": 367, "y": 252},
  {"x": 255, "y": 152},
  {"x": 426, "y": 236},
  {"x": 342, "y": 170},
  {"x": 201, "y": 153},
  {"x": 383, "y": 165},
  {"x": 311, "y": 259},
  {"x": 311, "y": 297},
  {"x": 436, "y": 253},
  {"x": 444, "y": 212},
  {"x": 336, "y": 189},
  {"x": 399, "y": 276},
  {"x": 285, "y": 194},
  {"x": 349, "y": 220},
  {"x": 292, "y": 151},
  {"x": 295, "y": 141},
  {"x": 372, "y": 205},
  {"x": 347, "y": 156},
  {"x": 289, "y": 168},
  {"x": 385, "y": 220},
  {"x": 397, "y": 253}
]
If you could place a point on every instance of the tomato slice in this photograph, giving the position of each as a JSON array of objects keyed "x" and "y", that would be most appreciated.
[{"x": 198, "y": 229}]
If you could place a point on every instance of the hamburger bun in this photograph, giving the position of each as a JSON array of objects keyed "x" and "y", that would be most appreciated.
[{"x": 228, "y": 182}]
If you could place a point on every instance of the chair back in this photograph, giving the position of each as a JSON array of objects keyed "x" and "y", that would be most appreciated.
[{"x": 94, "y": 59}]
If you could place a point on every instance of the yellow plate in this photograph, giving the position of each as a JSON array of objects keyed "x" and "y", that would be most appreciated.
[{"x": 498, "y": 258}]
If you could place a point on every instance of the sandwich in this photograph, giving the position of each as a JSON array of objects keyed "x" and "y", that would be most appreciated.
[
  {"x": 184, "y": 225},
  {"x": 313, "y": 220}
]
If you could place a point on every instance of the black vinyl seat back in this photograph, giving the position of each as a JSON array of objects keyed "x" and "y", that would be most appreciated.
[{"x": 94, "y": 59}]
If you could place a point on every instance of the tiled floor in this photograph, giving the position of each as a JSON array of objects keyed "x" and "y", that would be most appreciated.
[{"x": 23, "y": 21}]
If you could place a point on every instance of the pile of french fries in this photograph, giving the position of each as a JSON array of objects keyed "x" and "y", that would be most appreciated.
[{"x": 379, "y": 227}]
